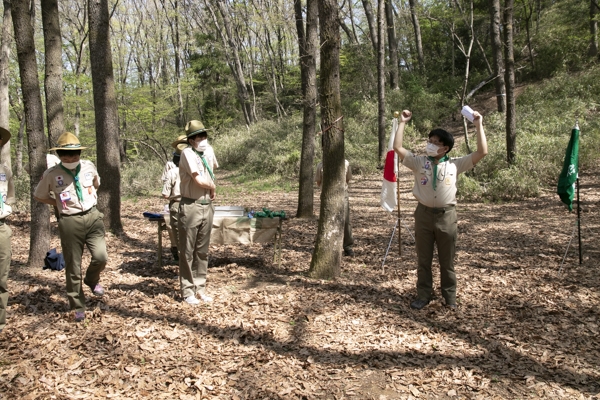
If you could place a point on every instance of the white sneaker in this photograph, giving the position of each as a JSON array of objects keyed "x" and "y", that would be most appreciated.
[
  {"x": 192, "y": 300},
  {"x": 205, "y": 298}
]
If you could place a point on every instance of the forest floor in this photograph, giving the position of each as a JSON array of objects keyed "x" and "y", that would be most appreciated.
[{"x": 523, "y": 329}]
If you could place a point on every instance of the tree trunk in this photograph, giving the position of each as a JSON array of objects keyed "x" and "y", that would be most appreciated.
[
  {"x": 381, "y": 80},
  {"x": 392, "y": 45},
  {"x": 371, "y": 22},
  {"x": 594, "y": 9},
  {"x": 39, "y": 239},
  {"x": 511, "y": 124},
  {"x": 4, "y": 66},
  {"x": 417, "y": 28},
  {"x": 496, "y": 41},
  {"x": 53, "y": 79},
  {"x": 326, "y": 258},
  {"x": 106, "y": 115},
  {"x": 307, "y": 45}
]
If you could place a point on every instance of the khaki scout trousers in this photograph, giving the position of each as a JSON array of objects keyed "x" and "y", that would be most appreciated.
[
  {"x": 75, "y": 232},
  {"x": 195, "y": 225},
  {"x": 5, "y": 255},
  {"x": 173, "y": 222},
  {"x": 435, "y": 226}
]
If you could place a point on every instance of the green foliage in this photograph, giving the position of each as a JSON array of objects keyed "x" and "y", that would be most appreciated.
[{"x": 141, "y": 178}]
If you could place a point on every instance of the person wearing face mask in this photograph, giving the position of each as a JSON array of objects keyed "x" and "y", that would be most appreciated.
[
  {"x": 74, "y": 183},
  {"x": 196, "y": 211},
  {"x": 7, "y": 196},
  {"x": 435, "y": 217}
]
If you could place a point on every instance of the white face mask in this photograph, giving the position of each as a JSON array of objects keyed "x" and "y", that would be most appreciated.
[
  {"x": 432, "y": 150},
  {"x": 201, "y": 145},
  {"x": 70, "y": 165}
]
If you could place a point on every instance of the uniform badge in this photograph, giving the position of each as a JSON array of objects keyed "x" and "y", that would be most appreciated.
[
  {"x": 427, "y": 164},
  {"x": 2, "y": 177},
  {"x": 424, "y": 180},
  {"x": 448, "y": 181},
  {"x": 59, "y": 180}
]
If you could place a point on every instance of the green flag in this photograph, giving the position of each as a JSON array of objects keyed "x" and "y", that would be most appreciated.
[{"x": 570, "y": 171}]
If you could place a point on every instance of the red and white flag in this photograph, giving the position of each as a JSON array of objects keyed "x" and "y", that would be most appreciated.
[{"x": 390, "y": 172}]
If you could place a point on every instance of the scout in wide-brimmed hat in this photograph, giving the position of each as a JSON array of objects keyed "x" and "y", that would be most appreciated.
[
  {"x": 180, "y": 144},
  {"x": 195, "y": 127},
  {"x": 68, "y": 141},
  {"x": 4, "y": 136}
]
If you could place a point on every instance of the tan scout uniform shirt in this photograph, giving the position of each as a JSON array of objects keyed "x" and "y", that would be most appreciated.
[
  {"x": 7, "y": 191},
  {"x": 171, "y": 185},
  {"x": 447, "y": 173},
  {"x": 56, "y": 180},
  {"x": 190, "y": 163}
]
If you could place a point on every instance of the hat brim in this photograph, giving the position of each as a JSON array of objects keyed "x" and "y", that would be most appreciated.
[
  {"x": 67, "y": 148},
  {"x": 4, "y": 135},
  {"x": 179, "y": 144}
]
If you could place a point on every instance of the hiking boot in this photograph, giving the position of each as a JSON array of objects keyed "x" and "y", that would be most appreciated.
[
  {"x": 192, "y": 300},
  {"x": 349, "y": 252},
  {"x": 418, "y": 304},
  {"x": 450, "y": 306},
  {"x": 79, "y": 316}
]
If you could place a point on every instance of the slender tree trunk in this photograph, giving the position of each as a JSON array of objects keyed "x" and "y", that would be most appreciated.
[
  {"x": 417, "y": 28},
  {"x": 381, "y": 80},
  {"x": 528, "y": 13},
  {"x": 53, "y": 78},
  {"x": 392, "y": 45},
  {"x": 594, "y": 10},
  {"x": 106, "y": 114},
  {"x": 4, "y": 67},
  {"x": 511, "y": 124},
  {"x": 326, "y": 258},
  {"x": 39, "y": 239},
  {"x": 307, "y": 45},
  {"x": 371, "y": 22},
  {"x": 496, "y": 41}
]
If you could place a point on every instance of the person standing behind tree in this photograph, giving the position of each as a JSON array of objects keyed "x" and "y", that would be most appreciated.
[
  {"x": 172, "y": 192},
  {"x": 435, "y": 216},
  {"x": 348, "y": 239},
  {"x": 196, "y": 213},
  {"x": 74, "y": 183},
  {"x": 7, "y": 196}
]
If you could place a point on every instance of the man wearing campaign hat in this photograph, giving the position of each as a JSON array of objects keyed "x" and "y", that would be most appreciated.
[
  {"x": 195, "y": 213},
  {"x": 74, "y": 183},
  {"x": 7, "y": 196},
  {"x": 171, "y": 191}
]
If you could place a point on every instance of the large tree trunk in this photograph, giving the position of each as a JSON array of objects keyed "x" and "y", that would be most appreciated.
[
  {"x": 326, "y": 258},
  {"x": 307, "y": 45},
  {"x": 53, "y": 79},
  {"x": 39, "y": 238},
  {"x": 392, "y": 44},
  {"x": 371, "y": 22},
  {"x": 496, "y": 41},
  {"x": 381, "y": 80},
  {"x": 511, "y": 124},
  {"x": 4, "y": 60},
  {"x": 107, "y": 119},
  {"x": 417, "y": 28}
]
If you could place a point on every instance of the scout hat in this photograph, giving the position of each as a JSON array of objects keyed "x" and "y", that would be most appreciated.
[
  {"x": 68, "y": 141},
  {"x": 4, "y": 136},
  {"x": 193, "y": 128},
  {"x": 179, "y": 144}
]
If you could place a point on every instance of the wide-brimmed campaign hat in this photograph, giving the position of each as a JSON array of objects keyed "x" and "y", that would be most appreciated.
[
  {"x": 4, "y": 136},
  {"x": 180, "y": 144},
  {"x": 68, "y": 141},
  {"x": 195, "y": 127}
]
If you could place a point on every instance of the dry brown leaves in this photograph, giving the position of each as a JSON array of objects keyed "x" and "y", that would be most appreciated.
[{"x": 522, "y": 330}]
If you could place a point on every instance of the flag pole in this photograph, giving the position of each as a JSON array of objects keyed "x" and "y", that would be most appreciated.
[
  {"x": 579, "y": 223},
  {"x": 396, "y": 115}
]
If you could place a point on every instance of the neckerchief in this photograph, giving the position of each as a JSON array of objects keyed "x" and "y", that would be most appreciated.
[
  {"x": 435, "y": 165},
  {"x": 75, "y": 179},
  {"x": 201, "y": 155}
]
